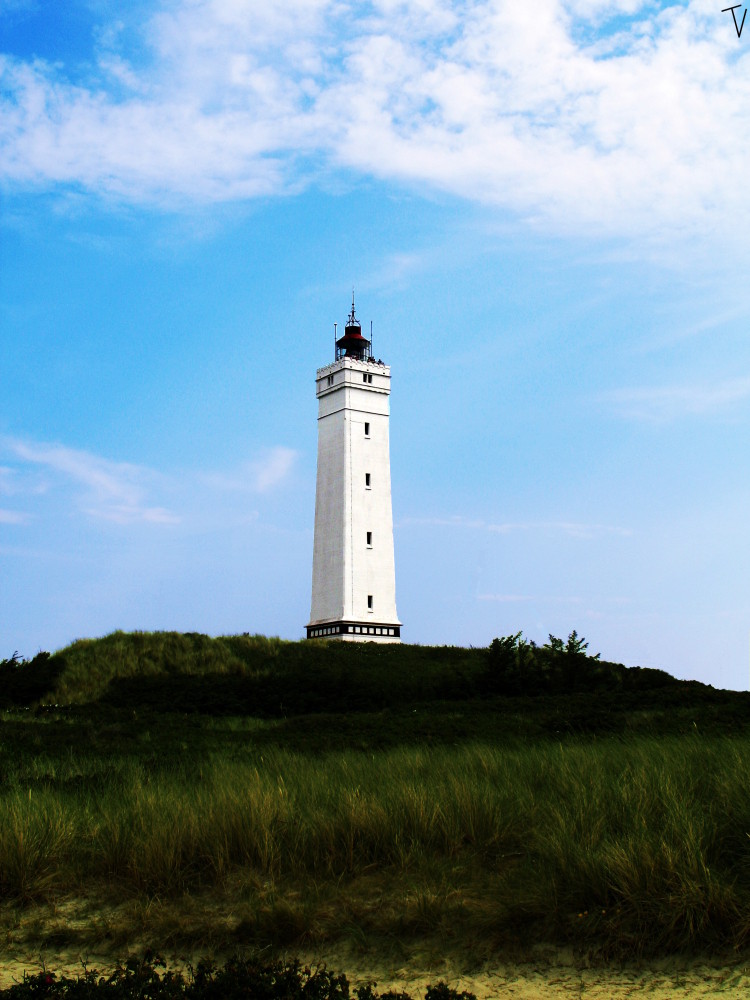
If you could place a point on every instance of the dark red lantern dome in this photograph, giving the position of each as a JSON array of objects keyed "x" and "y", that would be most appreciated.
[{"x": 353, "y": 344}]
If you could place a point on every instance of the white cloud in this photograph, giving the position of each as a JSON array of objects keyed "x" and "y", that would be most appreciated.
[
  {"x": 113, "y": 491},
  {"x": 7, "y": 484},
  {"x": 530, "y": 107},
  {"x": 274, "y": 468},
  {"x": 542, "y": 599},
  {"x": 397, "y": 270},
  {"x": 665, "y": 403},
  {"x": 713, "y": 323},
  {"x": 505, "y": 598},
  {"x": 13, "y": 517},
  {"x": 605, "y": 8},
  {"x": 574, "y": 529},
  {"x": 129, "y": 513},
  {"x": 124, "y": 493},
  {"x": 13, "y": 6},
  {"x": 258, "y": 476}
]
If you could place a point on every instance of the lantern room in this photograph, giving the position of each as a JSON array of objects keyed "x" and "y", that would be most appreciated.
[{"x": 353, "y": 344}]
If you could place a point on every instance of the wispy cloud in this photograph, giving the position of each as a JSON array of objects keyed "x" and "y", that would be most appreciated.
[
  {"x": 258, "y": 476},
  {"x": 114, "y": 491},
  {"x": 273, "y": 469},
  {"x": 541, "y": 599},
  {"x": 13, "y": 517},
  {"x": 575, "y": 529},
  {"x": 397, "y": 270},
  {"x": 715, "y": 324},
  {"x": 553, "y": 599},
  {"x": 505, "y": 598},
  {"x": 613, "y": 115},
  {"x": 125, "y": 493},
  {"x": 673, "y": 402},
  {"x": 7, "y": 480}
]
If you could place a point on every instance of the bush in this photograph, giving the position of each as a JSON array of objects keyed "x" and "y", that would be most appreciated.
[
  {"x": 237, "y": 980},
  {"x": 23, "y": 682}
]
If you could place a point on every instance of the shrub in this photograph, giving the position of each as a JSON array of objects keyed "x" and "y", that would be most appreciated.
[{"x": 237, "y": 980}]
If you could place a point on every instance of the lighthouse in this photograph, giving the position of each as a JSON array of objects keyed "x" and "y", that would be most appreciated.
[{"x": 354, "y": 577}]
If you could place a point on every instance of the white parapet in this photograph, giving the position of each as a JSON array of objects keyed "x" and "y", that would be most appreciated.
[{"x": 354, "y": 579}]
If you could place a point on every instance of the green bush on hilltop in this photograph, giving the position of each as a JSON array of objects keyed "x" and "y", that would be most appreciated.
[
  {"x": 23, "y": 682},
  {"x": 518, "y": 666}
]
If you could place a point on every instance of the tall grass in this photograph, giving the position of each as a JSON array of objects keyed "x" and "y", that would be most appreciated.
[{"x": 639, "y": 844}]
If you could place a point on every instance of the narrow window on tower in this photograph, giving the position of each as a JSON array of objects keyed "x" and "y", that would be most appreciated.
[
  {"x": 369, "y": 602},
  {"x": 367, "y": 480},
  {"x": 369, "y": 539},
  {"x": 367, "y": 430},
  {"x": 369, "y": 379}
]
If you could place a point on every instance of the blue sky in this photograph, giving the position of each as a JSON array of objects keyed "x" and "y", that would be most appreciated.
[{"x": 543, "y": 210}]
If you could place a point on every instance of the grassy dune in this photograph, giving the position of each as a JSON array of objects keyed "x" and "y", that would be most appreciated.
[{"x": 440, "y": 820}]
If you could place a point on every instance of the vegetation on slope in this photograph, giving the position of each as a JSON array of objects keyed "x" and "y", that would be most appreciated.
[
  {"x": 270, "y": 678},
  {"x": 483, "y": 799}
]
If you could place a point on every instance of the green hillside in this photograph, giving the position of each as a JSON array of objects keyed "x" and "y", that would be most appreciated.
[
  {"x": 267, "y": 794},
  {"x": 556, "y": 687}
]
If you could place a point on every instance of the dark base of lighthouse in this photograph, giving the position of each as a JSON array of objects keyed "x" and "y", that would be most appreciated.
[{"x": 355, "y": 631}]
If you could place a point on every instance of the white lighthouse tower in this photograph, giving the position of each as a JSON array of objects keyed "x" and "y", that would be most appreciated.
[{"x": 354, "y": 577}]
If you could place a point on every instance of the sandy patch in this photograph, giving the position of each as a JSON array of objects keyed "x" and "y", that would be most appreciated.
[
  {"x": 525, "y": 983},
  {"x": 543, "y": 980}
]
